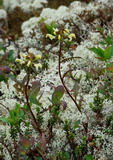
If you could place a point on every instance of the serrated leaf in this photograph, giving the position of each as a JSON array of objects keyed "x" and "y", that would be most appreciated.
[{"x": 58, "y": 94}]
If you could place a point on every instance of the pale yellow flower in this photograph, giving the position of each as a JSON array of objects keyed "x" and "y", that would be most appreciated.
[
  {"x": 66, "y": 30},
  {"x": 19, "y": 61},
  {"x": 50, "y": 36},
  {"x": 70, "y": 36},
  {"x": 38, "y": 56},
  {"x": 59, "y": 37},
  {"x": 37, "y": 66},
  {"x": 29, "y": 63},
  {"x": 55, "y": 30}
]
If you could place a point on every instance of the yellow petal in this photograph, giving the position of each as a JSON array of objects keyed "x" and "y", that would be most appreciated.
[
  {"x": 19, "y": 60},
  {"x": 66, "y": 30},
  {"x": 50, "y": 36},
  {"x": 72, "y": 35},
  {"x": 29, "y": 63},
  {"x": 59, "y": 37},
  {"x": 37, "y": 66},
  {"x": 38, "y": 56}
]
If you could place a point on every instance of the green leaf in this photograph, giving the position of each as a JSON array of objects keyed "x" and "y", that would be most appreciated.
[
  {"x": 67, "y": 155},
  {"x": 36, "y": 85},
  {"x": 108, "y": 53},
  {"x": 26, "y": 107},
  {"x": 16, "y": 115},
  {"x": 4, "y": 120},
  {"x": 111, "y": 90},
  {"x": 11, "y": 56},
  {"x": 98, "y": 51},
  {"x": 103, "y": 54},
  {"x": 33, "y": 100},
  {"x": 50, "y": 27},
  {"x": 76, "y": 124},
  {"x": 3, "y": 77},
  {"x": 89, "y": 157},
  {"x": 18, "y": 112},
  {"x": 58, "y": 94},
  {"x": 102, "y": 42},
  {"x": 41, "y": 20},
  {"x": 12, "y": 121},
  {"x": 22, "y": 114},
  {"x": 109, "y": 40}
]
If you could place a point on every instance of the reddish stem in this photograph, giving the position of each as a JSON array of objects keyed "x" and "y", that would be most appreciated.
[
  {"x": 28, "y": 104},
  {"x": 61, "y": 78}
]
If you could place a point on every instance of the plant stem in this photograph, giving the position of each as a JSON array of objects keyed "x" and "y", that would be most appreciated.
[
  {"x": 28, "y": 104},
  {"x": 61, "y": 78}
]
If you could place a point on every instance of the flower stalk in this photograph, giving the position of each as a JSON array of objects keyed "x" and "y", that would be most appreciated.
[{"x": 61, "y": 78}]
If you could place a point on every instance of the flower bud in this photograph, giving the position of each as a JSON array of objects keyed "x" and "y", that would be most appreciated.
[{"x": 5, "y": 69}]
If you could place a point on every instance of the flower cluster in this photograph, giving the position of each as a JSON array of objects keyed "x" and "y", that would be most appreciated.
[
  {"x": 30, "y": 60},
  {"x": 61, "y": 34}
]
